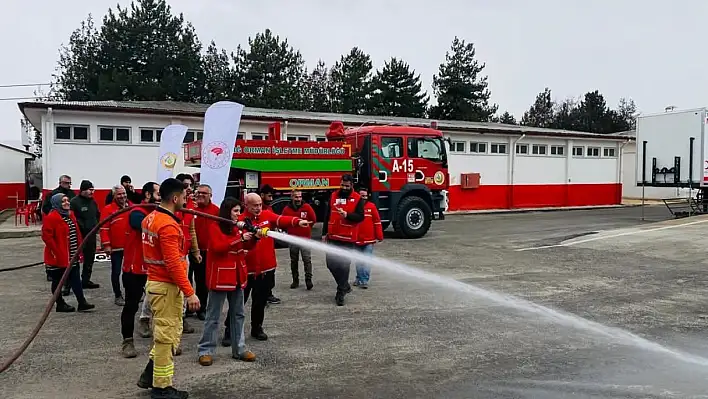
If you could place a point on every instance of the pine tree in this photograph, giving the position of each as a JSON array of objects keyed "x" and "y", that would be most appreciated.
[
  {"x": 219, "y": 76},
  {"x": 319, "y": 89},
  {"x": 397, "y": 91},
  {"x": 462, "y": 94},
  {"x": 541, "y": 112},
  {"x": 351, "y": 83},
  {"x": 77, "y": 72},
  {"x": 272, "y": 73},
  {"x": 505, "y": 118}
]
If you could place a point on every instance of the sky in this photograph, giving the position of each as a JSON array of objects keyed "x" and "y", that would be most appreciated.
[{"x": 651, "y": 51}]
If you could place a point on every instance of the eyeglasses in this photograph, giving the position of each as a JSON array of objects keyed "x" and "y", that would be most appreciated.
[{"x": 202, "y": 193}]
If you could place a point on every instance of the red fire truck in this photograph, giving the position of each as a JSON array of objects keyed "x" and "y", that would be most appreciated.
[{"x": 405, "y": 168}]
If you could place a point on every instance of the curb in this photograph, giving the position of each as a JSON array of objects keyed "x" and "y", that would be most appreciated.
[
  {"x": 554, "y": 209},
  {"x": 19, "y": 234}
]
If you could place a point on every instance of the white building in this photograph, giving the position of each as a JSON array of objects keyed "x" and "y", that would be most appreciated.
[
  {"x": 12, "y": 175},
  {"x": 101, "y": 141}
]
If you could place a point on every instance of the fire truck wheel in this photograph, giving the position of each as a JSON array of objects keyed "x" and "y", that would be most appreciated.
[{"x": 413, "y": 217}]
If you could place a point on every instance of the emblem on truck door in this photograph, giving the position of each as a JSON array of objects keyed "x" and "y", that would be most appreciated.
[{"x": 439, "y": 178}]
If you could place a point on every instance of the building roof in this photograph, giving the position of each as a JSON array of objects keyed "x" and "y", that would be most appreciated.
[
  {"x": 11, "y": 148},
  {"x": 175, "y": 108}
]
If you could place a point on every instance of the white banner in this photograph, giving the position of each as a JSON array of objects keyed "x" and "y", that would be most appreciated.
[
  {"x": 221, "y": 123},
  {"x": 170, "y": 144}
]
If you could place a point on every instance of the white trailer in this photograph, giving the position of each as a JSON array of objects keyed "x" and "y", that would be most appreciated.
[{"x": 672, "y": 149}]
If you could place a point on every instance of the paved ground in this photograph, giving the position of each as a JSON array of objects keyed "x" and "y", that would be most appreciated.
[{"x": 414, "y": 339}]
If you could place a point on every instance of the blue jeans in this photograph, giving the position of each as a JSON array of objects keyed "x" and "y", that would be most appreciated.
[
  {"x": 207, "y": 344},
  {"x": 116, "y": 268},
  {"x": 363, "y": 271}
]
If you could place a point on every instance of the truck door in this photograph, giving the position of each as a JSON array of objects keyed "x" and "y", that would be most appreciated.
[
  {"x": 389, "y": 164},
  {"x": 427, "y": 158}
]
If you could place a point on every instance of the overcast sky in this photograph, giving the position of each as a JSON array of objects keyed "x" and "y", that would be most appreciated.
[{"x": 652, "y": 51}]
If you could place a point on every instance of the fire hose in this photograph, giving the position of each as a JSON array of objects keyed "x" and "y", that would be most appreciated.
[{"x": 16, "y": 355}]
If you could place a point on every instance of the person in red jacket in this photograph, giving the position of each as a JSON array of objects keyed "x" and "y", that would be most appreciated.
[
  {"x": 260, "y": 258},
  {"x": 202, "y": 229},
  {"x": 297, "y": 208},
  {"x": 226, "y": 277},
  {"x": 369, "y": 233},
  {"x": 61, "y": 236},
  {"x": 266, "y": 193},
  {"x": 344, "y": 213},
  {"x": 113, "y": 236}
]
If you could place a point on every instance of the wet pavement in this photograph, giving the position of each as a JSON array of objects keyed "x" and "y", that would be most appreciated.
[{"x": 413, "y": 339}]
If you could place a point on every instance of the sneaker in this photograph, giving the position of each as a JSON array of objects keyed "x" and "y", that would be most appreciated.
[
  {"x": 295, "y": 284},
  {"x": 128, "y": 349},
  {"x": 168, "y": 393},
  {"x": 90, "y": 285},
  {"x": 247, "y": 356},
  {"x": 206, "y": 360},
  {"x": 273, "y": 299},
  {"x": 308, "y": 284},
  {"x": 364, "y": 285},
  {"x": 144, "y": 328},
  {"x": 65, "y": 308},
  {"x": 119, "y": 301},
  {"x": 186, "y": 328},
  {"x": 85, "y": 306}
]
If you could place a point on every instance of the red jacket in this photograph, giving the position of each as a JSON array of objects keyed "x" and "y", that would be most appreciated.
[
  {"x": 226, "y": 262},
  {"x": 186, "y": 219},
  {"x": 133, "y": 256},
  {"x": 55, "y": 234},
  {"x": 339, "y": 228},
  {"x": 370, "y": 229},
  {"x": 261, "y": 253},
  {"x": 202, "y": 225},
  {"x": 305, "y": 212},
  {"x": 115, "y": 233}
]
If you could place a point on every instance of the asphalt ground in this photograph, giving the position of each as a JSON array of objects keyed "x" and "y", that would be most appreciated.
[{"x": 408, "y": 338}]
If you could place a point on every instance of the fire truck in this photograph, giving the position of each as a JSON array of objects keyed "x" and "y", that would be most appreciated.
[{"x": 405, "y": 169}]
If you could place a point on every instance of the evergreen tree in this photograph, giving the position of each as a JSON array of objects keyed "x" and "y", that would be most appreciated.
[
  {"x": 319, "y": 89},
  {"x": 626, "y": 114},
  {"x": 272, "y": 73},
  {"x": 351, "y": 82},
  {"x": 462, "y": 94},
  {"x": 219, "y": 76},
  {"x": 143, "y": 52},
  {"x": 541, "y": 112},
  {"x": 505, "y": 118},
  {"x": 397, "y": 91}
]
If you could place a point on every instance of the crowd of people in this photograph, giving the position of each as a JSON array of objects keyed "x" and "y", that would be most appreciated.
[{"x": 179, "y": 264}]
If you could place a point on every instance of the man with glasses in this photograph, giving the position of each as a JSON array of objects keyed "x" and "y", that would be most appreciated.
[
  {"x": 64, "y": 188},
  {"x": 201, "y": 226}
]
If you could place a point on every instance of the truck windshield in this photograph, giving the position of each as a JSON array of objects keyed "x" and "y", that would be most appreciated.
[{"x": 427, "y": 148}]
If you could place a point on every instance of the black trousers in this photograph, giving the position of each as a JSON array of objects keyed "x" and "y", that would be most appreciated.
[
  {"x": 74, "y": 281},
  {"x": 133, "y": 284},
  {"x": 270, "y": 276},
  {"x": 199, "y": 271},
  {"x": 339, "y": 267},
  {"x": 257, "y": 288},
  {"x": 89, "y": 253}
]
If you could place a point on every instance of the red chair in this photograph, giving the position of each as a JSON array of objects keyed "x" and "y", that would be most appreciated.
[{"x": 26, "y": 211}]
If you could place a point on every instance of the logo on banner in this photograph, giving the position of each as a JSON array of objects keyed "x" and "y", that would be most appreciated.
[
  {"x": 439, "y": 178},
  {"x": 169, "y": 160},
  {"x": 216, "y": 155}
]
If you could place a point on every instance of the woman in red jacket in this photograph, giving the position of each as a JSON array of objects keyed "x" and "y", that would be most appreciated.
[
  {"x": 226, "y": 278},
  {"x": 61, "y": 237}
]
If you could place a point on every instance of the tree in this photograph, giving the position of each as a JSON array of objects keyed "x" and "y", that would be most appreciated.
[
  {"x": 541, "y": 112},
  {"x": 565, "y": 115},
  {"x": 143, "y": 52},
  {"x": 626, "y": 111},
  {"x": 319, "y": 89},
  {"x": 397, "y": 91},
  {"x": 351, "y": 82},
  {"x": 505, "y": 118},
  {"x": 219, "y": 76},
  {"x": 272, "y": 73},
  {"x": 462, "y": 94}
]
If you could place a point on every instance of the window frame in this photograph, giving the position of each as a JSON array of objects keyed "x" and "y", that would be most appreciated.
[
  {"x": 556, "y": 147},
  {"x": 115, "y": 134},
  {"x": 402, "y": 147},
  {"x": 582, "y": 150},
  {"x": 156, "y": 139},
  {"x": 606, "y": 149},
  {"x": 536, "y": 150},
  {"x": 72, "y": 135},
  {"x": 453, "y": 146},
  {"x": 588, "y": 155},
  {"x": 519, "y": 146},
  {"x": 505, "y": 146},
  {"x": 477, "y": 144}
]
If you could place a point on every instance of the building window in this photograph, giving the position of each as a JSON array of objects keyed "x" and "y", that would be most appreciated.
[
  {"x": 539, "y": 149},
  {"x": 557, "y": 150},
  {"x": 298, "y": 138},
  {"x": 497, "y": 148},
  {"x": 577, "y": 151},
  {"x": 255, "y": 136},
  {"x": 608, "y": 152},
  {"x": 71, "y": 133},
  {"x": 240, "y": 135},
  {"x": 192, "y": 136},
  {"x": 478, "y": 148},
  {"x": 150, "y": 135},
  {"x": 457, "y": 146},
  {"x": 320, "y": 139},
  {"x": 114, "y": 134},
  {"x": 593, "y": 151},
  {"x": 391, "y": 147},
  {"x": 522, "y": 148}
]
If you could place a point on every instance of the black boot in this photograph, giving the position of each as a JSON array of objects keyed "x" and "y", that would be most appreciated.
[
  {"x": 85, "y": 306},
  {"x": 63, "y": 307},
  {"x": 296, "y": 283},
  {"x": 339, "y": 298},
  {"x": 308, "y": 283},
  {"x": 168, "y": 393},
  {"x": 259, "y": 334},
  {"x": 145, "y": 380},
  {"x": 90, "y": 285}
]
